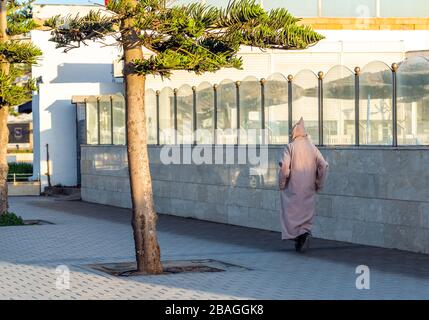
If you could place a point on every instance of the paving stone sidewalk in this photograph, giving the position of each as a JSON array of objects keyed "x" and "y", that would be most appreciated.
[{"x": 85, "y": 233}]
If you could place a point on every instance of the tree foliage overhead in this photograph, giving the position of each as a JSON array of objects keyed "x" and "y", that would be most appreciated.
[
  {"x": 15, "y": 85},
  {"x": 20, "y": 17},
  {"x": 192, "y": 37}
]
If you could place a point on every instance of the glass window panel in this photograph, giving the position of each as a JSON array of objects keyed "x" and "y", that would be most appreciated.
[
  {"x": 119, "y": 128},
  {"x": 339, "y": 106},
  {"x": 413, "y": 102},
  {"x": 92, "y": 120},
  {"x": 105, "y": 106},
  {"x": 276, "y": 109},
  {"x": 349, "y": 8},
  {"x": 301, "y": 8},
  {"x": 250, "y": 111},
  {"x": 226, "y": 113},
  {"x": 81, "y": 124},
  {"x": 205, "y": 113},
  {"x": 375, "y": 104},
  {"x": 166, "y": 116},
  {"x": 305, "y": 102},
  {"x": 399, "y": 8},
  {"x": 185, "y": 98},
  {"x": 150, "y": 110}
]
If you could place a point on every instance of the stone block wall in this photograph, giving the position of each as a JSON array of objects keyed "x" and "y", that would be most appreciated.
[{"x": 373, "y": 196}]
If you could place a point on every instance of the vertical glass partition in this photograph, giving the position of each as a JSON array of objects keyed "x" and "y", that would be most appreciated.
[
  {"x": 375, "y": 104},
  {"x": 339, "y": 106},
  {"x": 105, "y": 120},
  {"x": 92, "y": 120},
  {"x": 151, "y": 120},
  {"x": 205, "y": 113},
  {"x": 185, "y": 100},
  {"x": 413, "y": 102},
  {"x": 118, "y": 112},
  {"x": 226, "y": 113},
  {"x": 305, "y": 102},
  {"x": 276, "y": 109},
  {"x": 250, "y": 111},
  {"x": 166, "y": 116}
]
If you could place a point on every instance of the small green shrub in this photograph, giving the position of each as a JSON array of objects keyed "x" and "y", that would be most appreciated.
[
  {"x": 20, "y": 167},
  {"x": 10, "y": 219}
]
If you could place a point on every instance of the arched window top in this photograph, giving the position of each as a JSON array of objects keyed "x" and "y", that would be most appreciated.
[
  {"x": 148, "y": 92},
  {"x": 305, "y": 79},
  {"x": 250, "y": 79},
  {"x": 339, "y": 83},
  {"x": 226, "y": 82},
  {"x": 277, "y": 77},
  {"x": 166, "y": 91},
  {"x": 414, "y": 65},
  {"x": 184, "y": 90},
  {"x": 276, "y": 84},
  {"x": 339, "y": 72},
  {"x": 205, "y": 90},
  {"x": 226, "y": 87},
  {"x": 376, "y": 80},
  {"x": 413, "y": 78},
  {"x": 204, "y": 86},
  {"x": 375, "y": 66}
]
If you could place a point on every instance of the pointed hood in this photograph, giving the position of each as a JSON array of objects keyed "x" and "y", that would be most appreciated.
[{"x": 299, "y": 130}]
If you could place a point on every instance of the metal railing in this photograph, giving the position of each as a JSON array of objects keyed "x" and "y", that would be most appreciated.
[{"x": 342, "y": 107}]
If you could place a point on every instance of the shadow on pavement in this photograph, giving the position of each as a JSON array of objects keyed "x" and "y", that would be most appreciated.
[{"x": 386, "y": 260}]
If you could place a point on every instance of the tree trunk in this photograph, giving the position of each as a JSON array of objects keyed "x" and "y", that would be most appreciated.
[
  {"x": 4, "y": 136},
  {"x": 4, "y": 112},
  {"x": 144, "y": 216}
]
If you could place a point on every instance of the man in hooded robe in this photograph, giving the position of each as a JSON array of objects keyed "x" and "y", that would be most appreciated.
[{"x": 301, "y": 175}]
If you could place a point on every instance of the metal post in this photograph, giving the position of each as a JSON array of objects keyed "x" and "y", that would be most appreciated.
[
  {"x": 86, "y": 121},
  {"x": 215, "y": 114},
  {"x": 194, "y": 114},
  {"x": 157, "y": 117},
  {"x": 289, "y": 98},
  {"x": 394, "y": 106},
  {"x": 78, "y": 144},
  {"x": 98, "y": 120},
  {"x": 111, "y": 120},
  {"x": 48, "y": 170},
  {"x": 289, "y": 101},
  {"x": 357, "y": 101},
  {"x": 320, "y": 99},
  {"x": 263, "y": 110},
  {"x": 175, "y": 114},
  {"x": 237, "y": 90}
]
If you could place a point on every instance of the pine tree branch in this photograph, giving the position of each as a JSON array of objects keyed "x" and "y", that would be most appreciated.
[
  {"x": 193, "y": 37},
  {"x": 16, "y": 85},
  {"x": 19, "y": 52}
]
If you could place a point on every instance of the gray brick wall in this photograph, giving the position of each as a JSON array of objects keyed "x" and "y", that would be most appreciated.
[{"x": 373, "y": 196}]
